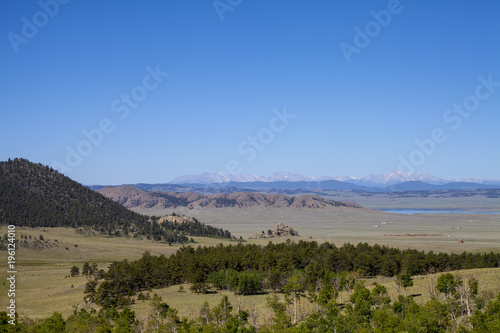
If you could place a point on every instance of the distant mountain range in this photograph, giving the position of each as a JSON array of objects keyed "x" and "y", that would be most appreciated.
[
  {"x": 383, "y": 180},
  {"x": 295, "y": 184}
]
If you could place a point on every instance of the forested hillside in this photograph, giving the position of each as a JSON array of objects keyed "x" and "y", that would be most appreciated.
[
  {"x": 34, "y": 195},
  {"x": 37, "y": 196}
]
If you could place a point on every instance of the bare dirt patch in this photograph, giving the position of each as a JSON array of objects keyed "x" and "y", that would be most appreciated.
[{"x": 415, "y": 235}]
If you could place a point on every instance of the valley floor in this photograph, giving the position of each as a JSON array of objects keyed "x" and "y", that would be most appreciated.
[
  {"x": 44, "y": 285},
  {"x": 437, "y": 232}
]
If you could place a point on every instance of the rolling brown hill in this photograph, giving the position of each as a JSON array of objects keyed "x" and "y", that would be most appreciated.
[{"x": 132, "y": 197}]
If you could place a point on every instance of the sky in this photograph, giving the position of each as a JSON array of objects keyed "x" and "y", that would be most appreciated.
[{"x": 122, "y": 92}]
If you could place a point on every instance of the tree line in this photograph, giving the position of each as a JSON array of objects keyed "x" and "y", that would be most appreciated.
[{"x": 269, "y": 267}]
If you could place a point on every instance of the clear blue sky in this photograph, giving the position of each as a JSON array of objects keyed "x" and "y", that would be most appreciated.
[{"x": 359, "y": 100}]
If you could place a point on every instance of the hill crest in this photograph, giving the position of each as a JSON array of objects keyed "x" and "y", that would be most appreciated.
[
  {"x": 132, "y": 197},
  {"x": 37, "y": 195}
]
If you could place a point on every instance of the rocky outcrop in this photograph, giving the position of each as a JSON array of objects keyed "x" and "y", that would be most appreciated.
[
  {"x": 281, "y": 230},
  {"x": 178, "y": 219}
]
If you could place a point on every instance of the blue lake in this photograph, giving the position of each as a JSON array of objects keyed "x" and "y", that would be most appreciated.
[{"x": 439, "y": 211}]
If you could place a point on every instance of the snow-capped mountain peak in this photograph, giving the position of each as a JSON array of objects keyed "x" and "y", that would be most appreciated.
[
  {"x": 222, "y": 177},
  {"x": 372, "y": 180},
  {"x": 396, "y": 177}
]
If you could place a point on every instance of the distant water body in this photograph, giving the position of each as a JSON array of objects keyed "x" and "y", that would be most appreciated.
[{"x": 440, "y": 211}]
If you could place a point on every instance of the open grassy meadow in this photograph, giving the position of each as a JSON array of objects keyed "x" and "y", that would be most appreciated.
[
  {"x": 44, "y": 286},
  {"x": 438, "y": 232},
  {"x": 417, "y": 200}
]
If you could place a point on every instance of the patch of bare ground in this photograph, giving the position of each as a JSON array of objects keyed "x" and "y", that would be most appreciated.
[{"x": 415, "y": 235}]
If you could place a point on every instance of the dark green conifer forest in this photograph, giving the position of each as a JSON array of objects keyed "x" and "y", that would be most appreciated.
[{"x": 34, "y": 195}]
